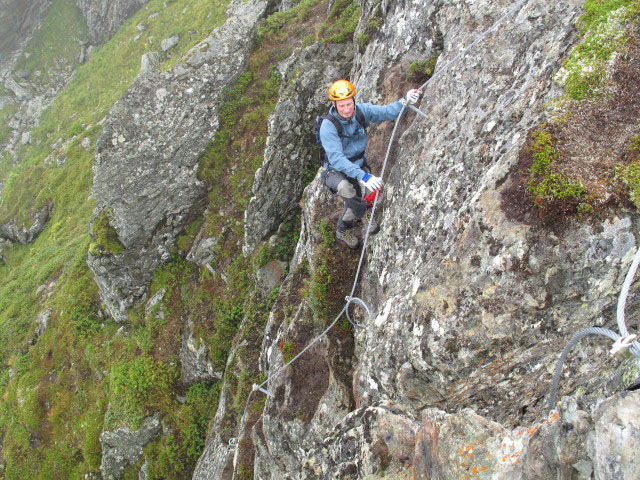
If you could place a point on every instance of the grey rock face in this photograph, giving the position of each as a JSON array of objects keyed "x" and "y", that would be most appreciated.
[
  {"x": 615, "y": 444},
  {"x": 386, "y": 438},
  {"x": 477, "y": 304},
  {"x": 10, "y": 231},
  {"x": 314, "y": 394},
  {"x": 270, "y": 276},
  {"x": 278, "y": 184},
  {"x": 123, "y": 447},
  {"x": 216, "y": 461},
  {"x": 104, "y": 18},
  {"x": 147, "y": 155},
  {"x": 471, "y": 306},
  {"x": 149, "y": 62},
  {"x": 18, "y": 20},
  {"x": 194, "y": 359}
]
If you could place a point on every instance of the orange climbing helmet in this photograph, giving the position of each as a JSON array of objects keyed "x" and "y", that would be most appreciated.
[{"x": 341, "y": 90}]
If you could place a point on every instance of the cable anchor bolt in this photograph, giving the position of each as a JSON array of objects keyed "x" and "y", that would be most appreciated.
[
  {"x": 622, "y": 345},
  {"x": 266, "y": 392}
]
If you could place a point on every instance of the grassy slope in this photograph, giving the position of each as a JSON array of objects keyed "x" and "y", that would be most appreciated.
[
  {"x": 53, "y": 405},
  {"x": 82, "y": 375}
]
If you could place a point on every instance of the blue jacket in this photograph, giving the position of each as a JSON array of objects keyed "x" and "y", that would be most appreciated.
[{"x": 354, "y": 140}]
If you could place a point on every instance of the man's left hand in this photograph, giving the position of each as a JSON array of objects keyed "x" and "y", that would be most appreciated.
[{"x": 412, "y": 96}]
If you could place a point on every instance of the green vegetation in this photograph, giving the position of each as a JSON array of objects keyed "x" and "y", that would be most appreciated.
[
  {"x": 338, "y": 27},
  {"x": 185, "y": 241},
  {"x": 324, "y": 275},
  {"x": 546, "y": 182},
  {"x": 137, "y": 387},
  {"x": 107, "y": 241},
  {"x": 56, "y": 44},
  {"x": 273, "y": 24},
  {"x": 85, "y": 372},
  {"x": 422, "y": 70},
  {"x": 54, "y": 403},
  {"x": 566, "y": 182},
  {"x": 341, "y": 22},
  {"x": 603, "y": 33}
]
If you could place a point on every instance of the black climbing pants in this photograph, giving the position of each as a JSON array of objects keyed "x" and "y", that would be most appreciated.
[{"x": 349, "y": 189}]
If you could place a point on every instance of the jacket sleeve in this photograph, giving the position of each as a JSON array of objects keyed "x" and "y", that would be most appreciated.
[
  {"x": 333, "y": 146},
  {"x": 381, "y": 113}
]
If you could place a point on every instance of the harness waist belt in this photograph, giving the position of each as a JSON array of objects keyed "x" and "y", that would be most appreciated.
[{"x": 356, "y": 157}]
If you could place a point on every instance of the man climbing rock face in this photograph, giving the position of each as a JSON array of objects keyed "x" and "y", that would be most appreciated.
[{"x": 344, "y": 139}]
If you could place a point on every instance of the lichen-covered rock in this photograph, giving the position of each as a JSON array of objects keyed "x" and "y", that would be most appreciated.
[
  {"x": 476, "y": 303},
  {"x": 471, "y": 304},
  {"x": 104, "y": 18},
  {"x": 278, "y": 184},
  {"x": 11, "y": 232},
  {"x": 123, "y": 447},
  {"x": 387, "y": 441},
  {"x": 148, "y": 152}
]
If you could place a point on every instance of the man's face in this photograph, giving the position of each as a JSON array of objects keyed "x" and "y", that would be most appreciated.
[{"x": 345, "y": 107}]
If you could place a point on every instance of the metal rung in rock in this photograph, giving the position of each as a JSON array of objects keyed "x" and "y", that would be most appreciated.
[
  {"x": 233, "y": 442},
  {"x": 419, "y": 112},
  {"x": 266, "y": 392}
]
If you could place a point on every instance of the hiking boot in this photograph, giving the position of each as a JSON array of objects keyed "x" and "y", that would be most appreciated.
[
  {"x": 375, "y": 228},
  {"x": 347, "y": 237}
]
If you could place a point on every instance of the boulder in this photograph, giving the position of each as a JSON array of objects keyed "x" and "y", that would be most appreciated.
[
  {"x": 169, "y": 43},
  {"x": 147, "y": 155},
  {"x": 195, "y": 363},
  {"x": 123, "y": 447},
  {"x": 10, "y": 231}
]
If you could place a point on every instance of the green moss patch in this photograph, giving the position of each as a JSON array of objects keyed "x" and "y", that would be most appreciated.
[
  {"x": 603, "y": 32},
  {"x": 107, "y": 241},
  {"x": 546, "y": 182}
]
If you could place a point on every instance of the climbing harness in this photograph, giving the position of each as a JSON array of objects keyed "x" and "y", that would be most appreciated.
[
  {"x": 350, "y": 298},
  {"x": 623, "y": 342}
]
